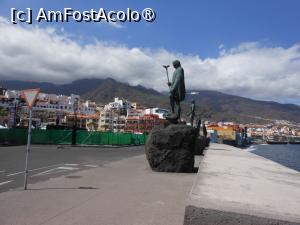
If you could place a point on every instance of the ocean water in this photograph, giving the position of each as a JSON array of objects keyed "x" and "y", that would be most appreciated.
[{"x": 286, "y": 155}]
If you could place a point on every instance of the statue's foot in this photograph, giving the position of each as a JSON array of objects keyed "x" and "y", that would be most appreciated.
[{"x": 172, "y": 118}]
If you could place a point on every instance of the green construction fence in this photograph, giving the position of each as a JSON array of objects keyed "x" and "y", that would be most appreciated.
[{"x": 64, "y": 137}]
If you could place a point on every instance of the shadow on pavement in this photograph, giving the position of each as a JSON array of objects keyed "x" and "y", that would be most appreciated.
[{"x": 62, "y": 188}]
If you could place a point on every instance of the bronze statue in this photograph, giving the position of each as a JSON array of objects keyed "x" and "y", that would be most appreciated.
[
  {"x": 192, "y": 113},
  {"x": 199, "y": 124},
  {"x": 177, "y": 91},
  {"x": 204, "y": 131}
]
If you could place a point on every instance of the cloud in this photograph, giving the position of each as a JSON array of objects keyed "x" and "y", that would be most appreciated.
[
  {"x": 250, "y": 70},
  {"x": 116, "y": 25}
]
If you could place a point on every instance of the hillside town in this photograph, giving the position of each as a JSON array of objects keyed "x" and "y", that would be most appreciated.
[{"x": 122, "y": 115}]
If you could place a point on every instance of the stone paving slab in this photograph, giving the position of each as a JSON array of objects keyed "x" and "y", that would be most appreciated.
[
  {"x": 234, "y": 186},
  {"x": 126, "y": 192}
]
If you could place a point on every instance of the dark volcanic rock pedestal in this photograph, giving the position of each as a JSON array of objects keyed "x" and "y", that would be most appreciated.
[
  {"x": 171, "y": 149},
  {"x": 200, "y": 145}
]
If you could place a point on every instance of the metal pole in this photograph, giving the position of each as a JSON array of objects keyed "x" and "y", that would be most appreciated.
[
  {"x": 15, "y": 112},
  {"x": 28, "y": 148},
  {"x": 166, "y": 67},
  {"x": 74, "y": 129}
]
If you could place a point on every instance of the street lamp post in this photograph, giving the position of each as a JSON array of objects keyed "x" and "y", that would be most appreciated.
[
  {"x": 74, "y": 128},
  {"x": 16, "y": 107}
]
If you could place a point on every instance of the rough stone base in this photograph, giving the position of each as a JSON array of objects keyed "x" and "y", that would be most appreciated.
[
  {"x": 207, "y": 141},
  {"x": 171, "y": 149},
  {"x": 200, "y": 145}
]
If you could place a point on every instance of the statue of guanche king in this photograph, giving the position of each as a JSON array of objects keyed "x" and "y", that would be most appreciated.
[{"x": 177, "y": 92}]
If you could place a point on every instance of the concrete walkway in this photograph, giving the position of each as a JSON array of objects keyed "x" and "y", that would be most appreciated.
[
  {"x": 124, "y": 192},
  {"x": 237, "y": 187}
]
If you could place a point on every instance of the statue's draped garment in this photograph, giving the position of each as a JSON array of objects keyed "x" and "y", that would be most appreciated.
[{"x": 177, "y": 88}]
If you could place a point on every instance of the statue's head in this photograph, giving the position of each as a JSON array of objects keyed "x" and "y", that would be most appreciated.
[{"x": 176, "y": 64}]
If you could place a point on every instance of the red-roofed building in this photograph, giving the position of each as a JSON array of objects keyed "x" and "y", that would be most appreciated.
[{"x": 143, "y": 124}]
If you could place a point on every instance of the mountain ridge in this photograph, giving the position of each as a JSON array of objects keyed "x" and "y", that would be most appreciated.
[
  {"x": 214, "y": 105},
  {"x": 79, "y": 87}
]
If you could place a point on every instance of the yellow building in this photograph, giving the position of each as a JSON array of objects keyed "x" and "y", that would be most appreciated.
[
  {"x": 134, "y": 105},
  {"x": 225, "y": 133}
]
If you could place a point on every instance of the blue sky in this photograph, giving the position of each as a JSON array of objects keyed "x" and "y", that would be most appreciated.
[
  {"x": 188, "y": 27},
  {"x": 249, "y": 48}
]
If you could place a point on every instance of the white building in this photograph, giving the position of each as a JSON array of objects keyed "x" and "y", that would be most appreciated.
[
  {"x": 111, "y": 120},
  {"x": 162, "y": 113},
  {"x": 119, "y": 105},
  {"x": 65, "y": 104},
  {"x": 51, "y": 106}
]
